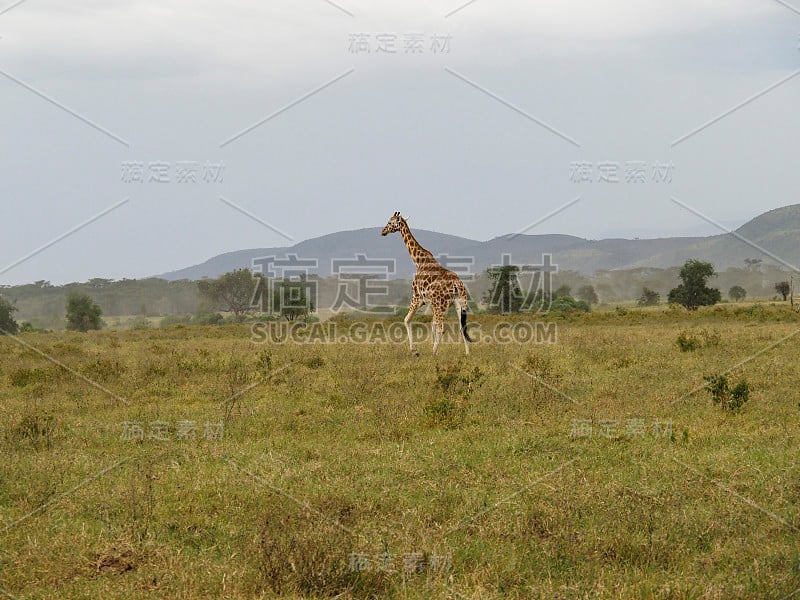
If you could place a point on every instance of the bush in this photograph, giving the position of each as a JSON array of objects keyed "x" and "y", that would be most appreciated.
[
  {"x": 648, "y": 297},
  {"x": 730, "y": 399},
  {"x": 208, "y": 319},
  {"x": 175, "y": 320},
  {"x": 22, "y": 377},
  {"x": 36, "y": 429},
  {"x": 688, "y": 342},
  {"x": 587, "y": 294},
  {"x": 27, "y": 327},
  {"x": 307, "y": 552},
  {"x": 7, "y": 323},
  {"x": 569, "y": 304},
  {"x": 139, "y": 322},
  {"x": 449, "y": 408}
]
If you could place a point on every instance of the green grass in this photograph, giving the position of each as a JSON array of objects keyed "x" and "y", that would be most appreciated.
[{"x": 358, "y": 449}]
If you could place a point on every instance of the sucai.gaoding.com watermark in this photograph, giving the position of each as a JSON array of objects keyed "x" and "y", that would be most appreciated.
[{"x": 395, "y": 332}]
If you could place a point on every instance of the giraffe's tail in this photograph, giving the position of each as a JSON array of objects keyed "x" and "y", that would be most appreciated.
[{"x": 461, "y": 302}]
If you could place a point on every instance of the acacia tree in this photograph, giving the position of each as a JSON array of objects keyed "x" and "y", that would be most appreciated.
[
  {"x": 648, "y": 298},
  {"x": 504, "y": 294},
  {"x": 290, "y": 299},
  {"x": 587, "y": 294},
  {"x": 232, "y": 291},
  {"x": 783, "y": 288},
  {"x": 694, "y": 292},
  {"x": 737, "y": 293},
  {"x": 83, "y": 314},
  {"x": 7, "y": 323}
]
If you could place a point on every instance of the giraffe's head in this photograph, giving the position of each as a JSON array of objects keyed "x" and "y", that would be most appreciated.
[{"x": 395, "y": 224}]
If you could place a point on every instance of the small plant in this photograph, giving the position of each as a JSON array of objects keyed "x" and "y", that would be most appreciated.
[
  {"x": 315, "y": 362},
  {"x": 265, "y": 360},
  {"x": 235, "y": 377},
  {"x": 730, "y": 399},
  {"x": 307, "y": 552},
  {"x": 450, "y": 379},
  {"x": 449, "y": 409},
  {"x": 445, "y": 412},
  {"x": 36, "y": 429},
  {"x": 688, "y": 342},
  {"x": 543, "y": 367},
  {"x": 711, "y": 339},
  {"x": 648, "y": 298},
  {"x": 22, "y": 377}
]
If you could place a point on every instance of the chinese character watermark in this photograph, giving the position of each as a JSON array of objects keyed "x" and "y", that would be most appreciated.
[
  {"x": 631, "y": 172},
  {"x": 181, "y": 172},
  {"x": 163, "y": 431},
  {"x": 412, "y": 43}
]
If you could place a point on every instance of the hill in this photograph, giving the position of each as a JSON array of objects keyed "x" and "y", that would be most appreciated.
[{"x": 773, "y": 237}]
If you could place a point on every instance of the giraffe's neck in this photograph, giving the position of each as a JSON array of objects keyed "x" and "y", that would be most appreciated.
[{"x": 420, "y": 256}]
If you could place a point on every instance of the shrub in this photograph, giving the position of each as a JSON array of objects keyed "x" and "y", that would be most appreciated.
[
  {"x": 7, "y": 322},
  {"x": 175, "y": 320},
  {"x": 448, "y": 409},
  {"x": 568, "y": 304},
  {"x": 730, "y": 399},
  {"x": 36, "y": 429},
  {"x": 688, "y": 342},
  {"x": 648, "y": 297},
  {"x": 208, "y": 319},
  {"x": 307, "y": 552},
  {"x": 22, "y": 377}
]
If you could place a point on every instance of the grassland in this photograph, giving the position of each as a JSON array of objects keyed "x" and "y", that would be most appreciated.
[{"x": 594, "y": 467}]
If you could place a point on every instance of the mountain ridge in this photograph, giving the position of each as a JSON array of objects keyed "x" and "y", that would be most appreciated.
[{"x": 775, "y": 232}]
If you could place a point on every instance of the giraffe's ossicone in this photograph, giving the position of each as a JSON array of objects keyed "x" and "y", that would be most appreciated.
[{"x": 432, "y": 285}]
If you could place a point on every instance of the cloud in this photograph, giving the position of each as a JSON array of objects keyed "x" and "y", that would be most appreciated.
[{"x": 148, "y": 39}]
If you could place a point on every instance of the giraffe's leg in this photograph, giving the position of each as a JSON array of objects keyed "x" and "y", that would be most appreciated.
[
  {"x": 461, "y": 329},
  {"x": 412, "y": 308},
  {"x": 437, "y": 327}
]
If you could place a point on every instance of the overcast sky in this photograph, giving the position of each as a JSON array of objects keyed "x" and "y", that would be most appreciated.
[{"x": 480, "y": 123}]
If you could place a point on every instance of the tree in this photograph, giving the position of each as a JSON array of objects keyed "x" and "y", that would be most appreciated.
[
  {"x": 587, "y": 294},
  {"x": 7, "y": 323},
  {"x": 737, "y": 293},
  {"x": 752, "y": 263},
  {"x": 563, "y": 291},
  {"x": 648, "y": 297},
  {"x": 783, "y": 288},
  {"x": 694, "y": 292},
  {"x": 82, "y": 313},
  {"x": 290, "y": 300},
  {"x": 232, "y": 291},
  {"x": 504, "y": 294}
]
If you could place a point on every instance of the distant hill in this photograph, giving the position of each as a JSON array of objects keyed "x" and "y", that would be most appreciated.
[{"x": 776, "y": 232}]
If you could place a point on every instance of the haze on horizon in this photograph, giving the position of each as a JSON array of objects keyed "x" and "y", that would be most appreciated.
[{"x": 483, "y": 121}]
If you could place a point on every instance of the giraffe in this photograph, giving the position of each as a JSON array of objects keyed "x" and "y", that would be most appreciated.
[{"x": 433, "y": 285}]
